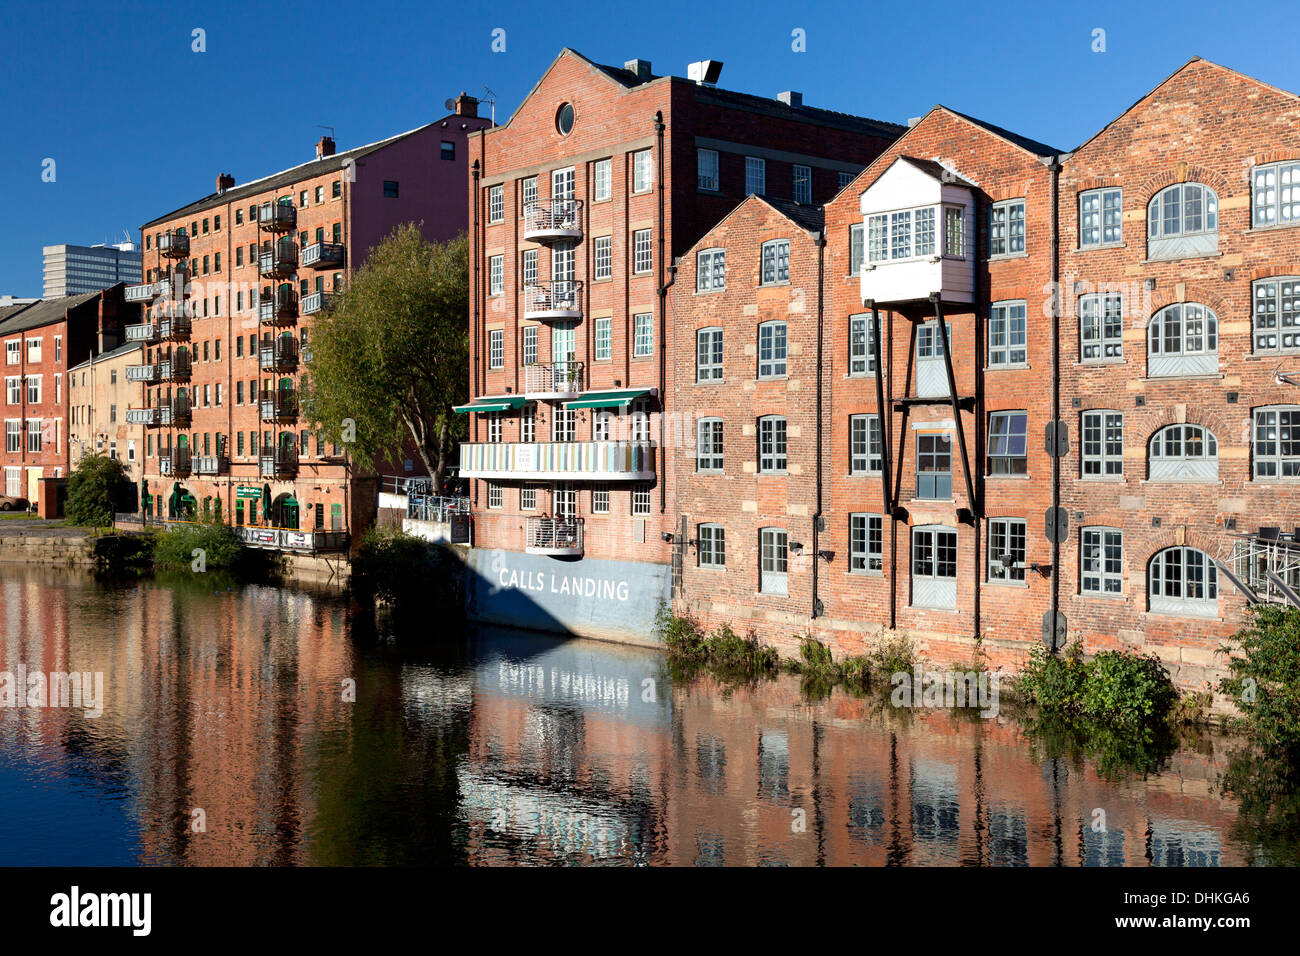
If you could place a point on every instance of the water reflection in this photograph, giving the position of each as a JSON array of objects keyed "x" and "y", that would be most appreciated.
[{"x": 494, "y": 748}]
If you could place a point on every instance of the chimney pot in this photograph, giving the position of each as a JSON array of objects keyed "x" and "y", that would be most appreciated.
[
  {"x": 466, "y": 105},
  {"x": 325, "y": 147}
]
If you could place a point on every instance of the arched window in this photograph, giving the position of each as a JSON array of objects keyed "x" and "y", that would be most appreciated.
[
  {"x": 1183, "y": 339},
  {"x": 1182, "y": 221},
  {"x": 1183, "y": 453},
  {"x": 1183, "y": 581}
]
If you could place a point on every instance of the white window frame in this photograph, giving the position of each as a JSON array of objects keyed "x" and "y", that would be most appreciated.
[
  {"x": 1275, "y": 428},
  {"x": 1007, "y": 229},
  {"x": 1184, "y": 359},
  {"x": 602, "y": 257},
  {"x": 496, "y": 348},
  {"x": 1101, "y": 443},
  {"x": 711, "y": 545},
  {"x": 641, "y": 500},
  {"x": 1007, "y": 537},
  {"x": 1101, "y": 562},
  {"x": 494, "y": 496},
  {"x": 1275, "y": 313},
  {"x": 774, "y": 560},
  {"x": 1101, "y": 327},
  {"x": 708, "y": 354},
  {"x": 1008, "y": 334},
  {"x": 1101, "y": 217},
  {"x": 773, "y": 349},
  {"x": 527, "y": 193},
  {"x": 1169, "y": 236},
  {"x": 866, "y": 544},
  {"x": 528, "y": 497},
  {"x": 642, "y": 251},
  {"x": 710, "y": 270},
  {"x": 934, "y": 550},
  {"x": 529, "y": 346},
  {"x": 33, "y": 389},
  {"x": 1002, "y": 444},
  {"x": 564, "y": 425},
  {"x": 709, "y": 445},
  {"x": 866, "y": 450},
  {"x": 775, "y": 259},
  {"x": 642, "y": 334},
  {"x": 773, "y": 445},
  {"x": 528, "y": 267},
  {"x": 604, "y": 350},
  {"x": 496, "y": 275},
  {"x": 904, "y": 234},
  {"x": 600, "y": 498},
  {"x": 1275, "y": 194},
  {"x": 496, "y": 204},
  {"x": 33, "y": 351},
  {"x": 563, "y": 183},
  {"x": 1182, "y": 581},
  {"x": 857, "y": 248},
  {"x": 642, "y": 171},
  {"x": 602, "y": 180},
  {"x": 862, "y": 351},
  {"x": 1183, "y": 451}
]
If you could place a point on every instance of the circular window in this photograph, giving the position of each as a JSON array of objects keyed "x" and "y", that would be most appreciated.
[{"x": 564, "y": 119}]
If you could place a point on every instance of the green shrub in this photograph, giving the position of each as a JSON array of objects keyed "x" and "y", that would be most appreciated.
[
  {"x": 1264, "y": 678},
  {"x": 894, "y": 654},
  {"x": 1116, "y": 687},
  {"x": 679, "y": 632},
  {"x": 96, "y": 487},
  {"x": 403, "y": 571},
  {"x": 176, "y": 546}
]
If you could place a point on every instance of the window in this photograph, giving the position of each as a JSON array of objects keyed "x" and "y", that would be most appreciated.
[
  {"x": 58, "y": 348},
  {"x": 493, "y": 495},
  {"x": 1183, "y": 581},
  {"x": 1006, "y": 550},
  {"x": 1276, "y": 194},
  {"x": 1007, "y": 334},
  {"x": 856, "y": 250},
  {"x": 954, "y": 220},
  {"x": 904, "y": 234},
  {"x": 13, "y": 435},
  {"x": 1183, "y": 220},
  {"x": 33, "y": 389},
  {"x": 771, "y": 444},
  {"x": 1101, "y": 561},
  {"x": 604, "y": 339},
  {"x": 708, "y": 355},
  {"x": 496, "y": 348},
  {"x": 1183, "y": 339},
  {"x": 933, "y": 466},
  {"x": 1277, "y": 314},
  {"x": 706, "y": 170},
  {"x": 527, "y": 192},
  {"x": 600, "y": 499},
  {"x": 1183, "y": 452},
  {"x": 843, "y": 179},
  {"x": 712, "y": 543},
  {"x": 641, "y": 500},
  {"x": 603, "y": 256},
  {"x": 772, "y": 548},
  {"x": 390, "y": 192},
  {"x": 1101, "y": 327},
  {"x": 564, "y": 119},
  {"x": 1007, "y": 228},
  {"x": 496, "y": 203},
  {"x": 642, "y": 260},
  {"x": 1277, "y": 442},
  {"x": 1100, "y": 218},
  {"x": 336, "y": 187},
  {"x": 862, "y": 345},
  {"x": 866, "y": 553},
  {"x": 12, "y": 352},
  {"x": 447, "y": 151},
  {"x": 934, "y": 567},
  {"x": 13, "y": 390},
  {"x": 563, "y": 183},
  {"x": 755, "y": 175},
  {"x": 496, "y": 275},
  {"x": 33, "y": 350},
  {"x": 708, "y": 444},
  {"x": 530, "y": 344},
  {"x": 802, "y": 184},
  {"x": 711, "y": 270},
  {"x": 642, "y": 334},
  {"x": 1007, "y": 443},
  {"x": 642, "y": 171},
  {"x": 776, "y": 261},
  {"x": 864, "y": 444},
  {"x": 603, "y": 179},
  {"x": 772, "y": 350},
  {"x": 33, "y": 434},
  {"x": 1102, "y": 444},
  {"x": 529, "y": 267},
  {"x": 528, "y": 422},
  {"x": 564, "y": 425},
  {"x": 602, "y": 426}
]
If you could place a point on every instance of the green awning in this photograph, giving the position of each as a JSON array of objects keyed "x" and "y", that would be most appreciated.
[
  {"x": 480, "y": 405},
  {"x": 617, "y": 399}
]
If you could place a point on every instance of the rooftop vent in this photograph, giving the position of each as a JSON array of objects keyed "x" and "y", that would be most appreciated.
[
  {"x": 640, "y": 67},
  {"x": 790, "y": 98},
  {"x": 704, "y": 72}
]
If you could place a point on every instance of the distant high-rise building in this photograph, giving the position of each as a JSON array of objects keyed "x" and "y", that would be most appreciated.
[{"x": 74, "y": 270}]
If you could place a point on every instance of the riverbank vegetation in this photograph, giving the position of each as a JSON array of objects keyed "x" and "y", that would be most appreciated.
[
  {"x": 97, "y": 487},
  {"x": 405, "y": 573}
]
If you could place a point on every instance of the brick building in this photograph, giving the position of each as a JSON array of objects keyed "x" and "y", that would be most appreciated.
[
  {"x": 233, "y": 281},
  {"x": 98, "y": 397},
  {"x": 581, "y": 203},
  {"x": 41, "y": 340}
]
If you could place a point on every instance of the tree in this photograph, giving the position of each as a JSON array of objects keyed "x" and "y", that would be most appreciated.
[
  {"x": 390, "y": 357},
  {"x": 95, "y": 487}
]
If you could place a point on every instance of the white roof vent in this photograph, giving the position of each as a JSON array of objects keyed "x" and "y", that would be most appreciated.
[
  {"x": 790, "y": 98},
  {"x": 704, "y": 72}
]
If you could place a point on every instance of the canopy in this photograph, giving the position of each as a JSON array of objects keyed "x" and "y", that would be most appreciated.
[
  {"x": 266, "y": 502},
  {"x": 620, "y": 398},
  {"x": 498, "y": 404}
]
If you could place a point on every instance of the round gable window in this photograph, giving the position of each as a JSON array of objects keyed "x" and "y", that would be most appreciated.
[{"x": 564, "y": 119}]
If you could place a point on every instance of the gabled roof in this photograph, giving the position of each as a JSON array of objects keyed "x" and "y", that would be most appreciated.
[
  {"x": 934, "y": 169},
  {"x": 1024, "y": 142},
  {"x": 42, "y": 312},
  {"x": 110, "y": 354},
  {"x": 811, "y": 219}
]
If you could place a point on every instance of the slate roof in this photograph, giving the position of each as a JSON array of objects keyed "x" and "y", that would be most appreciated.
[{"x": 20, "y": 318}]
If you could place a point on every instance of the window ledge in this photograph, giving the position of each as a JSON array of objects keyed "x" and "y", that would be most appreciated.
[
  {"x": 1011, "y": 367},
  {"x": 865, "y": 376},
  {"x": 1009, "y": 255},
  {"x": 708, "y": 192},
  {"x": 774, "y": 285},
  {"x": 1100, "y": 246},
  {"x": 1208, "y": 617},
  {"x": 1214, "y": 377},
  {"x": 1181, "y": 481},
  {"x": 1013, "y": 585},
  {"x": 1102, "y": 363},
  {"x": 1271, "y": 227},
  {"x": 1008, "y": 477},
  {"x": 864, "y": 574},
  {"x": 863, "y": 474},
  {"x": 710, "y": 291},
  {"x": 932, "y": 501},
  {"x": 926, "y": 607},
  {"x": 1206, "y": 255},
  {"x": 1101, "y": 597}
]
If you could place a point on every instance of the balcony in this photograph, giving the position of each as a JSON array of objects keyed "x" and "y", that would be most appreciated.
[
  {"x": 142, "y": 373},
  {"x": 316, "y": 302},
  {"x": 277, "y": 217},
  {"x": 142, "y": 416},
  {"x": 171, "y": 328},
  {"x": 162, "y": 413},
  {"x": 550, "y": 219},
  {"x": 556, "y": 380},
  {"x": 280, "y": 309},
  {"x": 174, "y": 369},
  {"x": 280, "y": 260},
  {"x": 174, "y": 465},
  {"x": 282, "y": 356},
  {"x": 211, "y": 465},
  {"x": 146, "y": 332},
  {"x": 174, "y": 245},
  {"x": 548, "y": 301},
  {"x": 549, "y": 461},
  {"x": 144, "y": 292},
  {"x": 324, "y": 255},
  {"x": 279, "y": 405},
  {"x": 561, "y": 537},
  {"x": 278, "y": 462}
]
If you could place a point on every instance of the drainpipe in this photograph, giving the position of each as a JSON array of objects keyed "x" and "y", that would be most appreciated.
[
  {"x": 663, "y": 305},
  {"x": 980, "y": 419},
  {"x": 1054, "y": 169},
  {"x": 475, "y": 385},
  {"x": 886, "y": 448},
  {"x": 820, "y": 240}
]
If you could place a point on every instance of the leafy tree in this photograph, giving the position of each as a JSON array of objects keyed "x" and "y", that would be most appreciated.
[
  {"x": 390, "y": 356},
  {"x": 1264, "y": 678},
  {"x": 95, "y": 487}
]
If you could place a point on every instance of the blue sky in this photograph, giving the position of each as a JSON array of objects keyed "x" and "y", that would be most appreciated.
[{"x": 138, "y": 124}]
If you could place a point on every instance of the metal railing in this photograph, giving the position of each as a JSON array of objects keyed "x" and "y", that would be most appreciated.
[
  {"x": 278, "y": 403},
  {"x": 282, "y": 354},
  {"x": 291, "y": 539},
  {"x": 559, "y": 217},
  {"x": 315, "y": 302},
  {"x": 323, "y": 255},
  {"x": 434, "y": 507},
  {"x": 549, "y": 297},
  {"x": 277, "y": 460},
  {"x": 554, "y": 535},
  {"x": 551, "y": 377},
  {"x": 211, "y": 464},
  {"x": 281, "y": 259},
  {"x": 277, "y": 217},
  {"x": 602, "y": 460},
  {"x": 175, "y": 464},
  {"x": 175, "y": 245},
  {"x": 281, "y": 306}
]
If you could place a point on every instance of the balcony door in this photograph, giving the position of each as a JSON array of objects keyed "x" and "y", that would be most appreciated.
[
  {"x": 931, "y": 371},
  {"x": 934, "y": 567},
  {"x": 564, "y": 344},
  {"x": 934, "y": 466},
  {"x": 565, "y": 499}
]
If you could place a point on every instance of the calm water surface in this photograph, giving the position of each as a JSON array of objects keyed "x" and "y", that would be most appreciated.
[{"x": 502, "y": 747}]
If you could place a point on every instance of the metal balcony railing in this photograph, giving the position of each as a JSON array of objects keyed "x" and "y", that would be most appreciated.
[
  {"x": 174, "y": 245},
  {"x": 280, "y": 404},
  {"x": 174, "y": 327},
  {"x": 553, "y": 300},
  {"x": 555, "y": 378},
  {"x": 280, "y": 260},
  {"x": 174, "y": 464},
  {"x": 324, "y": 255},
  {"x": 280, "y": 309},
  {"x": 277, "y": 217},
  {"x": 142, "y": 416},
  {"x": 211, "y": 465},
  {"x": 276, "y": 461},
  {"x": 597, "y": 460},
  {"x": 316, "y": 302},
  {"x": 553, "y": 219},
  {"x": 555, "y": 536},
  {"x": 144, "y": 332},
  {"x": 281, "y": 355}
]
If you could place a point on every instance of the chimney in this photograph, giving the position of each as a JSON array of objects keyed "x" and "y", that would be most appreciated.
[
  {"x": 325, "y": 147},
  {"x": 466, "y": 105},
  {"x": 790, "y": 98},
  {"x": 224, "y": 181},
  {"x": 704, "y": 72},
  {"x": 640, "y": 67}
]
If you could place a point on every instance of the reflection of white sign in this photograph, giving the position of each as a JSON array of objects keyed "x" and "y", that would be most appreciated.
[{"x": 525, "y": 457}]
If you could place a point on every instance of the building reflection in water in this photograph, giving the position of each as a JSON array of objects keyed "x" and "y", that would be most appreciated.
[{"x": 497, "y": 748}]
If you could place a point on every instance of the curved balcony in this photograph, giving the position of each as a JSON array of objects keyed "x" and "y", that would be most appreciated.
[
  {"x": 549, "y": 301},
  {"x": 278, "y": 461},
  {"x": 560, "y": 537},
  {"x": 280, "y": 309},
  {"x": 174, "y": 245},
  {"x": 277, "y": 217},
  {"x": 278, "y": 405},
  {"x": 175, "y": 464},
  {"x": 324, "y": 255},
  {"x": 315, "y": 302},
  {"x": 546, "y": 220},
  {"x": 280, "y": 261},
  {"x": 282, "y": 355},
  {"x": 553, "y": 381}
]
